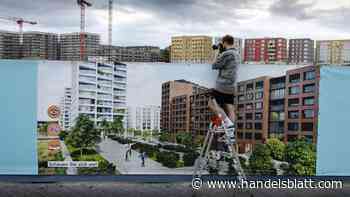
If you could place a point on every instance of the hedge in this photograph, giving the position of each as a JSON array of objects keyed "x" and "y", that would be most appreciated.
[
  {"x": 168, "y": 159},
  {"x": 190, "y": 158},
  {"x": 121, "y": 140}
]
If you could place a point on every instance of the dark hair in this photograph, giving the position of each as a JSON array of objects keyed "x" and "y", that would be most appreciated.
[{"x": 228, "y": 39}]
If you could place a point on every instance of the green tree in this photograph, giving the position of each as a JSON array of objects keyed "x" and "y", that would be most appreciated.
[
  {"x": 184, "y": 138},
  {"x": 105, "y": 126},
  {"x": 117, "y": 125},
  {"x": 277, "y": 148},
  {"x": 84, "y": 135},
  {"x": 164, "y": 137},
  {"x": 301, "y": 156},
  {"x": 261, "y": 161},
  {"x": 146, "y": 134}
]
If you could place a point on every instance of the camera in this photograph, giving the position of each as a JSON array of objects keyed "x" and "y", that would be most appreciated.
[{"x": 219, "y": 47}]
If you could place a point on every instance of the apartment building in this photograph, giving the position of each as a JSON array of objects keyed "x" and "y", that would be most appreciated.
[
  {"x": 200, "y": 113},
  {"x": 176, "y": 103},
  {"x": 144, "y": 118},
  {"x": 301, "y": 51},
  {"x": 238, "y": 44},
  {"x": 40, "y": 45},
  {"x": 99, "y": 91},
  {"x": 333, "y": 52},
  {"x": 65, "y": 106},
  {"x": 277, "y": 107},
  {"x": 265, "y": 50},
  {"x": 70, "y": 46},
  {"x": 10, "y": 47},
  {"x": 191, "y": 49},
  {"x": 301, "y": 101},
  {"x": 131, "y": 54},
  {"x": 252, "y": 111}
]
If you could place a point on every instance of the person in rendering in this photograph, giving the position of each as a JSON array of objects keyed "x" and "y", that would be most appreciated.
[
  {"x": 143, "y": 158},
  {"x": 226, "y": 62}
]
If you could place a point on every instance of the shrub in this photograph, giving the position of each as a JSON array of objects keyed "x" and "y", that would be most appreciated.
[
  {"x": 168, "y": 159},
  {"x": 121, "y": 140},
  {"x": 175, "y": 148},
  {"x": 62, "y": 135},
  {"x": 190, "y": 158},
  {"x": 150, "y": 150},
  {"x": 261, "y": 160},
  {"x": 277, "y": 148}
]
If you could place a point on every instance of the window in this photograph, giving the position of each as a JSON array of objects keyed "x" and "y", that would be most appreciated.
[
  {"x": 294, "y": 78},
  {"x": 293, "y": 114},
  {"x": 241, "y": 107},
  {"x": 258, "y": 105},
  {"x": 310, "y": 75},
  {"x": 309, "y": 101},
  {"x": 293, "y": 102},
  {"x": 249, "y": 125},
  {"x": 308, "y": 113},
  {"x": 258, "y": 136},
  {"x": 309, "y": 88},
  {"x": 308, "y": 126},
  {"x": 277, "y": 94},
  {"x": 259, "y": 85},
  {"x": 250, "y": 86},
  {"x": 249, "y": 106},
  {"x": 294, "y": 90},
  {"x": 292, "y": 138},
  {"x": 239, "y": 117},
  {"x": 258, "y": 126},
  {"x": 258, "y": 116},
  {"x": 277, "y": 116},
  {"x": 239, "y": 135},
  {"x": 293, "y": 126},
  {"x": 249, "y": 116},
  {"x": 259, "y": 95},
  {"x": 248, "y": 136},
  {"x": 240, "y": 125}
]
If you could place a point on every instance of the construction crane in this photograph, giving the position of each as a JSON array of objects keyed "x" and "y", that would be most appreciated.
[
  {"x": 83, "y": 4},
  {"x": 20, "y": 21}
]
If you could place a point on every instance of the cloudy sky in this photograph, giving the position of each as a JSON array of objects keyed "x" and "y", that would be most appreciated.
[{"x": 153, "y": 22}]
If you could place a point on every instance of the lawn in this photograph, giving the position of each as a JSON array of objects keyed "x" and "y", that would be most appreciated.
[{"x": 45, "y": 155}]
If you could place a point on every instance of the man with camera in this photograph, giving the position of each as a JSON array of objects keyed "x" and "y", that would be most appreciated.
[{"x": 222, "y": 104}]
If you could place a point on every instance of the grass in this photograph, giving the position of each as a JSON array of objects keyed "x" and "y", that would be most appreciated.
[{"x": 45, "y": 155}]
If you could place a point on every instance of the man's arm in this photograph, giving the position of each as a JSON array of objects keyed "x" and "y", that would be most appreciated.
[{"x": 221, "y": 61}]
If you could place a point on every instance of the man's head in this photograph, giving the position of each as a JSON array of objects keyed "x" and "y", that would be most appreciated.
[{"x": 227, "y": 41}]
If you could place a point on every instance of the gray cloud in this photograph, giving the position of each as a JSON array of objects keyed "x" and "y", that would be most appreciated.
[{"x": 292, "y": 8}]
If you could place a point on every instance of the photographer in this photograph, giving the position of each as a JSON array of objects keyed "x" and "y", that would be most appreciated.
[{"x": 226, "y": 63}]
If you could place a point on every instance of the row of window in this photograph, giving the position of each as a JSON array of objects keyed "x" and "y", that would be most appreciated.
[
  {"x": 251, "y": 106},
  {"x": 249, "y": 136},
  {"x": 308, "y": 88},
  {"x": 307, "y": 101},
  {"x": 308, "y": 75},
  {"x": 249, "y": 116},
  {"x": 306, "y": 126}
]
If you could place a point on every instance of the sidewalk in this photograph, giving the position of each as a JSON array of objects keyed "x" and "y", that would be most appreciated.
[
  {"x": 114, "y": 152},
  {"x": 67, "y": 157}
]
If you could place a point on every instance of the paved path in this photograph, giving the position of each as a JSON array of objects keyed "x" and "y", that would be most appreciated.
[
  {"x": 67, "y": 157},
  {"x": 114, "y": 152}
]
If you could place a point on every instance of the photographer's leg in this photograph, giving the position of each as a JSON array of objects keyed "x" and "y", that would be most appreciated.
[{"x": 216, "y": 109}]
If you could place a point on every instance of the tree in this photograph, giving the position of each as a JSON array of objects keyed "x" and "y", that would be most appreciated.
[
  {"x": 261, "y": 161},
  {"x": 164, "y": 137},
  {"x": 184, "y": 138},
  {"x": 301, "y": 156},
  {"x": 117, "y": 125},
  {"x": 277, "y": 148},
  {"x": 84, "y": 135},
  {"x": 105, "y": 126}
]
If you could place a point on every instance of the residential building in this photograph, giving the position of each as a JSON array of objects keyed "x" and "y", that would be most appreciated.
[
  {"x": 176, "y": 103},
  {"x": 99, "y": 91},
  {"x": 144, "y": 118},
  {"x": 265, "y": 50},
  {"x": 65, "y": 119},
  {"x": 191, "y": 49},
  {"x": 200, "y": 113},
  {"x": 10, "y": 47},
  {"x": 301, "y": 51},
  {"x": 277, "y": 107},
  {"x": 301, "y": 104},
  {"x": 70, "y": 46},
  {"x": 40, "y": 45},
  {"x": 333, "y": 52},
  {"x": 252, "y": 111},
  {"x": 131, "y": 54},
  {"x": 238, "y": 44}
]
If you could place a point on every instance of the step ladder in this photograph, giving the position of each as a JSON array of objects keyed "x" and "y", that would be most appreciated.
[{"x": 201, "y": 162}]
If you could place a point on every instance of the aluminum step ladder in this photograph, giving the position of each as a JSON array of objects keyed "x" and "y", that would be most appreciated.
[{"x": 202, "y": 161}]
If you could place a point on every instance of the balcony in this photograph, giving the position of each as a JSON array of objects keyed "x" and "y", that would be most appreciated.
[
  {"x": 119, "y": 79},
  {"x": 104, "y": 97},
  {"x": 87, "y": 94},
  {"x": 88, "y": 72},
  {"x": 87, "y": 79},
  {"x": 278, "y": 86},
  {"x": 87, "y": 87},
  {"x": 105, "y": 83},
  {"x": 105, "y": 70},
  {"x": 277, "y": 108},
  {"x": 119, "y": 86}
]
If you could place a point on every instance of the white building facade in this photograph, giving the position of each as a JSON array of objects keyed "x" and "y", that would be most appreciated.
[
  {"x": 65, "y": 106},
  {"x": 99, "y": 91},
  {"x": 144, "y": 118}
]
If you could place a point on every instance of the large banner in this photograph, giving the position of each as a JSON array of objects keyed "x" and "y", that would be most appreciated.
[{"x": 98, "y": 118}]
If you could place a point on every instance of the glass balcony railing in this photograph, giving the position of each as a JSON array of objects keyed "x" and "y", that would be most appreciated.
[
  {"x": 87, "y": 79},
  {"x": 88, "y": 87},
  {"x": 88, "y": 72},
  {"x": 117, "y": 79},
  {"x": 119, "y": 86},
  {"x": 107, "y": 83},
  {"x": 87, "y": 94},
  {"x": 105, "y": 97},
  {"x": 119, "y": 92}
]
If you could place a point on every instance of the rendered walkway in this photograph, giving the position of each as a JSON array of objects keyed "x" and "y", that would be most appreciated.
[
  {"x": 67, "y": 157},
  {"x": 114, "y": 152}
]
